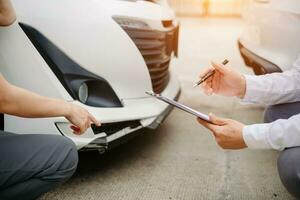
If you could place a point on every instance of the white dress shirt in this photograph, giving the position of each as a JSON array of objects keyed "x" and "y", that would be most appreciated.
[{"x": 273, "y": 89}]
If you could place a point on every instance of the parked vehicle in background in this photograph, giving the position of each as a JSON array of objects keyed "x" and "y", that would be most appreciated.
[
  {"x": 101, "y": 54},
  {"x": 270, "y": 41}
]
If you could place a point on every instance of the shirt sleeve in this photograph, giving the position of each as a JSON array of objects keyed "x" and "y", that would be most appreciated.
[
  {"x": 274, "y": 88},
  {"x": 277, "y": 135}
]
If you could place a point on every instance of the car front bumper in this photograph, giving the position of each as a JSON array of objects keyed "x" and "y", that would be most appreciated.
[{"x": 119, "y": 123}]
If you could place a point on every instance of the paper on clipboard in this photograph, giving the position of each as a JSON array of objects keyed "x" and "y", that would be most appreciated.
[{"x": 180, "y": 106}]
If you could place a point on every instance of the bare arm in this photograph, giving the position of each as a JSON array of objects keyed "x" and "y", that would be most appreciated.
[
  {"x": 19, "y": 102},
  {"x": 7, "y": 13},
  {"x": 23, "y": 103}
]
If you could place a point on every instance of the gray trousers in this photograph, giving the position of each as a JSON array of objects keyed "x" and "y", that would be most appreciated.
[
  {"x": 289, "y": 159},
  {"x": 31, "y": 165}
]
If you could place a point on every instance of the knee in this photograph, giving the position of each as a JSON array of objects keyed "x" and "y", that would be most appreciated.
[
  {"x": 289, "y": 170},
  {"x": 65, "y": 158},
  {"x": 69, "y": 151}
]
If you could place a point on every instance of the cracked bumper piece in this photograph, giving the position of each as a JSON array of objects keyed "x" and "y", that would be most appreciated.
[{"x": 152, "y": 113}]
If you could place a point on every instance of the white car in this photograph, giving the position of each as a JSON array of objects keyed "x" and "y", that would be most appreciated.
[
  {"x": 100, "y": 54},
  {"x": 270, "y": 41}
]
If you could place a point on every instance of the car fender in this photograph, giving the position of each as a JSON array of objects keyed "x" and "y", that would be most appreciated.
[{"x": 86, "y": 32}]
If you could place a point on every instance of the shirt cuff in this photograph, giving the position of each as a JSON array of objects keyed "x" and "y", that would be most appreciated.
[
  {"x": 255, "y": 136},
  {"x": 251, "y": 89}
]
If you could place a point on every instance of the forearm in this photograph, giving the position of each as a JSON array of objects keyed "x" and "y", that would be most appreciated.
[
  {"x": 7, "y": 13},
  {"x": 23, "y": 103},
  {"x": 277, "y": 135},
  {"x": 274, "y": 88}
]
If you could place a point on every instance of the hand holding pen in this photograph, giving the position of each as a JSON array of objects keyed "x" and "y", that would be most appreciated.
[
  {"x": 208, "y": 74},
  {"x": 222, "y": 80}
]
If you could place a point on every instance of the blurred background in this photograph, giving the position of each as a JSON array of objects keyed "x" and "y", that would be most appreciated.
[{"x": 207, "y": 8}]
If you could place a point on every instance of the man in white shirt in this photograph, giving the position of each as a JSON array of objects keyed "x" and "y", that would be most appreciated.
[{"x": 281, "y": 130}]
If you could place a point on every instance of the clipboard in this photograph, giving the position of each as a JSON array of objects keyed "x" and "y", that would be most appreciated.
[{"x": 180, "y": 106}]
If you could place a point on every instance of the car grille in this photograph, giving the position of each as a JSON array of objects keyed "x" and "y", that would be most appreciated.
[{"x": 156, "y": 47}]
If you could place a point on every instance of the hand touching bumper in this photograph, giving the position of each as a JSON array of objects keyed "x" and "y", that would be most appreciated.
[{"x": 80, "y": 118}]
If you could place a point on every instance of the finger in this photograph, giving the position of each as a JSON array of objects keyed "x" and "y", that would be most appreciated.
[
  {"x": 207, "y": 125},
  {"x": 82, "y": 130},
  {"x": 216, "y": 82},
  {"x": 209, "y": 81},
  {"x": 210, "y": 88},
  {"x": 87, "y": 123},
  {"x": 209, "y": 92},
  {"x": 76, "y": 129},
  {"x": 221, "y": 68},
  {"x": 205, "y": 71},
  {"x": 207, "y": 86},
  {"x": 94, "y": 120},
  {"x": 206, "y": 89},
  {"x": 217, "y": 120}
]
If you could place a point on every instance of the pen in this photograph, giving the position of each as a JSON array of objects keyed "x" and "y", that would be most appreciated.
[{"x": 209, "y": 74}]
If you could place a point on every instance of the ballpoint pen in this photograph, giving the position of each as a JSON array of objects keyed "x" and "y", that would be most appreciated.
[{"x": 209, "y": 74}]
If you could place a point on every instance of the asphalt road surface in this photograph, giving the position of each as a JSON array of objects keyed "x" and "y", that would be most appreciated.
[{"x": 180, "y": 160}]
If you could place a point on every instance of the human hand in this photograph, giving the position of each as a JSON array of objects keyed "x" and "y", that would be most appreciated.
[
  {"x": 227, "y": 132},
  {"x": 80, "y": 119},
  {"x": 225, "y": 81}
]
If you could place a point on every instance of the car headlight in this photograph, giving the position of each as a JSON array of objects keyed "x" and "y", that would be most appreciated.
[{"x": 81, "y": 84}]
